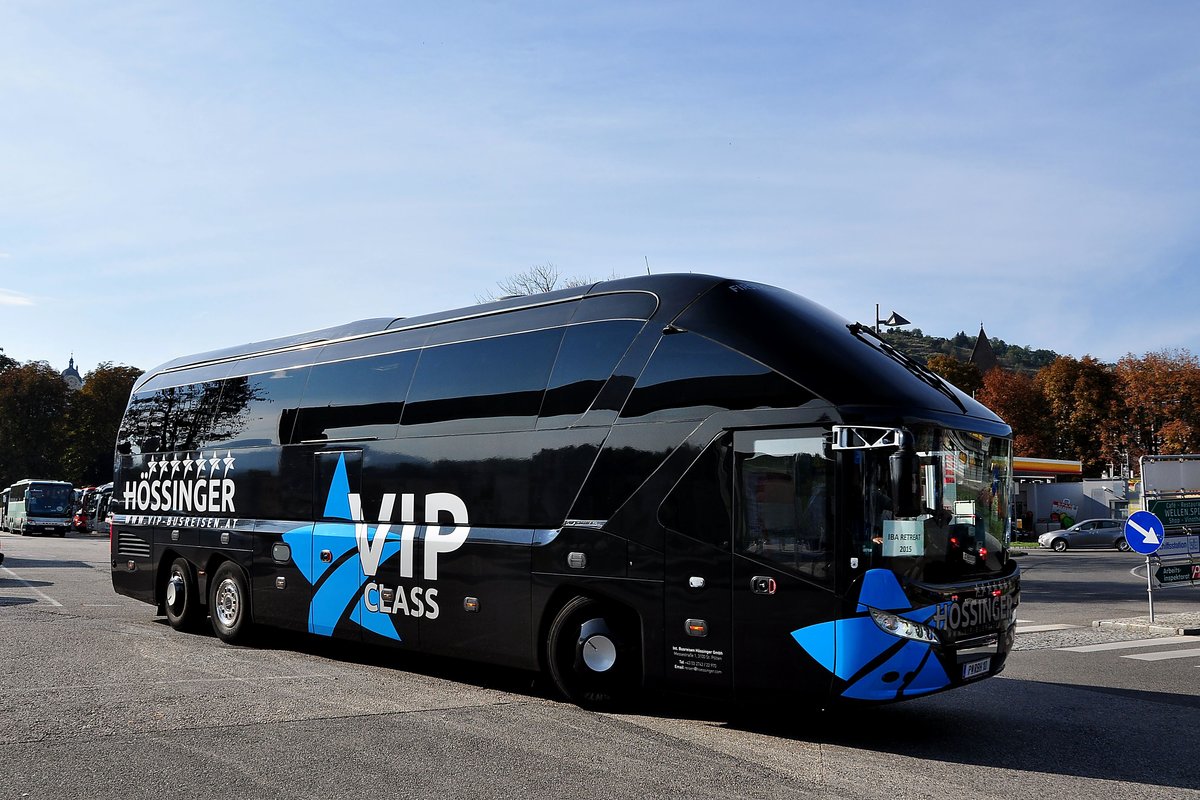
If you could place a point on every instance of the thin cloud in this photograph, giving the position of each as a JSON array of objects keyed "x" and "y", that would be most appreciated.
[{"x": 11, "y": 298}]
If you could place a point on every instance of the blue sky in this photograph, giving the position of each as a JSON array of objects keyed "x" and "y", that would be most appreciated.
[{"x": 177, "y": 177}]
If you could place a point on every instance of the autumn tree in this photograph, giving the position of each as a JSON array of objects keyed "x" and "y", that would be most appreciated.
[
  {"x": 1161, "y": 395},
  {"x": 963, "y": 374},
  {"x": 1083, "y": 404},
  {"x": 1016, "y": 399}
]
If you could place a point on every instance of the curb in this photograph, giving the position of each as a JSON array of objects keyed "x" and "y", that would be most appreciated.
[{"x": 1164, "y": 628}]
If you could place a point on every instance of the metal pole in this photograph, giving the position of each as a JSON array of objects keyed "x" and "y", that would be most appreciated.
[
  {"x": 1150, "y": 589},
  {"x": 877, "y": 317}
]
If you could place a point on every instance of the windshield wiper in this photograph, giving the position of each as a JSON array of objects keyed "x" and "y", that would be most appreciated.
[{"x": 915, "y": 367}]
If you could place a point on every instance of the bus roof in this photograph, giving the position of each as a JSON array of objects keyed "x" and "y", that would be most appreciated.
[{"x": 682, "y": 287}]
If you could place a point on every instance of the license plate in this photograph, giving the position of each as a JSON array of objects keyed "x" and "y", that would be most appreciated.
[
  {"x": 976, "y": 668},
  {"x": 48, "y": 529}
]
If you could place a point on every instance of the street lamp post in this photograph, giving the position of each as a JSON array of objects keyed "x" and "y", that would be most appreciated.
[{"x": 894, "y": 321}]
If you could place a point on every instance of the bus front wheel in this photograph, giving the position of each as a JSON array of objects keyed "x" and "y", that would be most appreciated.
[
  {"x": 592, "y": 653},
  {"x": 181, "y": 600},
  {"x": 229, "y": 603}
]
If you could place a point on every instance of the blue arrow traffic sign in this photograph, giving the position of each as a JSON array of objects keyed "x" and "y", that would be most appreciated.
[{"x": 1144, "y": 532}]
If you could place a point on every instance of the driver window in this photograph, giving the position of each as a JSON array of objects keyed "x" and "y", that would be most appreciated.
[{"x": 785, "y": 486}]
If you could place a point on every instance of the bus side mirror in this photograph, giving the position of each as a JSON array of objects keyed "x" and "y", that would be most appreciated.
[{"x": 903, "y": 468}]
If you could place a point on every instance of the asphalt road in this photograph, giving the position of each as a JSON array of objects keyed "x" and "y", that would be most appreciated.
[{"x": 99, "y": 699}]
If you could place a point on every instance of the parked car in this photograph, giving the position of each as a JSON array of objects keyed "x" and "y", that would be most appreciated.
[{"x": 1089, "y": 533}]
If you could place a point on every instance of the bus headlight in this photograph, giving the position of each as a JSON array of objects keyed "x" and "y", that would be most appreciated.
[{"x": 903, "y": 628}]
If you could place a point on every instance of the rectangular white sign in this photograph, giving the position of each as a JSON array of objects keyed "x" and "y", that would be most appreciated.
[
  {"x": 1179, "y": 546},
  {"x": 903, "y": 537}
]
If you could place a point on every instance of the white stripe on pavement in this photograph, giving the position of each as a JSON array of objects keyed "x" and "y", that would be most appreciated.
[
  {"x": 30, "y": 587},
  {"x": 1155, "y": 642},
  {"x": 1195, "y": 651},
  {"x": 1022, "y": 628}
]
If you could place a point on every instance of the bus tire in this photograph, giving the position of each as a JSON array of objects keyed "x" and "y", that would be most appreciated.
[
  {"x": 181, "y": 599},
  {"x": 592, "y": 654},
  {"x": 229, "y": 603}
]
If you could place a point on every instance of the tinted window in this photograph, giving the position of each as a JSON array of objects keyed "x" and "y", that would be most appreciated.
[
  {"x": 251, "y": 409},
  {"x": 586, "y": 361},
  {"x": 690, "y": 376},
  {"x": 174, "y": 419},
  {"x": 357, "y": 398},
  {"x": 785, "y": 485},
  {"x": 500, "y": 380},
  {"x": 699, "y": 505}
]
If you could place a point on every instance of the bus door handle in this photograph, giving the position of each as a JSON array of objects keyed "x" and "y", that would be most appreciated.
[
  {"x": 326, "y": 556},
  {"x": 763, "y": 585}
]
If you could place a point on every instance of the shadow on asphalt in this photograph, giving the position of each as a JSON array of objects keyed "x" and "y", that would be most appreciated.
[
  {"x": 18, "y": 583},
  {"x": 1067, "y": 736},
  {"x": 985, "y": 725},
  {"x": 34, "y": 563}
]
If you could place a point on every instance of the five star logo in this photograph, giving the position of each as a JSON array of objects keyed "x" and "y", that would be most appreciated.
[{"x": 169, "y": 466}]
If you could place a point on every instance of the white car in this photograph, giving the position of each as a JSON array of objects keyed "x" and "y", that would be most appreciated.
[{"x": 1089, "y": 533}]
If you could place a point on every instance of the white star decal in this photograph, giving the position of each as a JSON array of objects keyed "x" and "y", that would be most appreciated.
[
  {"x": 201, "y": 463},
  {"x": 228, "y": 461},
  {"x": 174, "y": 464},
  {"x": 187, "y": 466},
  {"x": 216, "y": 462},
  {"x": 153, "y": 467}
]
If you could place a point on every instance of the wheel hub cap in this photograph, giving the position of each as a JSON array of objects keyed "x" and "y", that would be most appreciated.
[
  {"x": 599, "y": 653},
  {"x": 227, "y": 603},
  {"x": 175, "y": 591}
]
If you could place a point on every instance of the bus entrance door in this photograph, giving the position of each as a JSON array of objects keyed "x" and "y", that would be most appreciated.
[{"x": 783, "y": 557}]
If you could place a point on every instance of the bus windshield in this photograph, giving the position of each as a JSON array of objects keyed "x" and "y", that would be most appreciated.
[
  {"x": 48, "y": 499},
  {"x": 936, "y": 509}
]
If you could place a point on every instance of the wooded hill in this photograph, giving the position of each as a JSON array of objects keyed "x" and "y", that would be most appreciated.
[{"x": 1016, "y": 358}]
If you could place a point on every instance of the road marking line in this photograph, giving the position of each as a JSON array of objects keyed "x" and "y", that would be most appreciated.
[
  {"x": 1195, "y": 651},
  {"x": 1042, "y": 628},
  {"x": 31, "y": 588},
  {"x": 1155, "y": 642}
]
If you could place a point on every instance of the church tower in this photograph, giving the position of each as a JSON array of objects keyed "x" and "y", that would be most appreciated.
[{"x": 71, "y": 376}]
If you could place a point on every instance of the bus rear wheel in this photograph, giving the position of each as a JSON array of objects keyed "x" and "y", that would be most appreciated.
[
  {"x": 229, "y": 603},
  {"x": 592, "y": 653},
  {"x": 181, "y": 600}
]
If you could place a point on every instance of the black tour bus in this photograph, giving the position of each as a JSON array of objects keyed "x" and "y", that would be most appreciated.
[{"x": 678, "y": 481}]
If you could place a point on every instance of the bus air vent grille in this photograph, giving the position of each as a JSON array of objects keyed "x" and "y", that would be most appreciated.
[{"x": 130, "y": 545}]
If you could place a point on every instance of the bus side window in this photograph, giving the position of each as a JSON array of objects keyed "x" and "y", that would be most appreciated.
[
  {"x": 699, "y": 505},
  {"x": 690, "y": 377},
  {"x": 589, "y": 354},
  {"x": 355, "y": 398},
  {"x": 484, "y": 385}
]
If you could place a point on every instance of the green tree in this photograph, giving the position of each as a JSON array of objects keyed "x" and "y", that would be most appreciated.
[
  {"x": 33, "y": 398},
  {"x": 93, "y": 416}
]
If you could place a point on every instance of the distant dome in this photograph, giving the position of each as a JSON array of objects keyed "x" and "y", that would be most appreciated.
[{"x": 72, "y": 377}]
